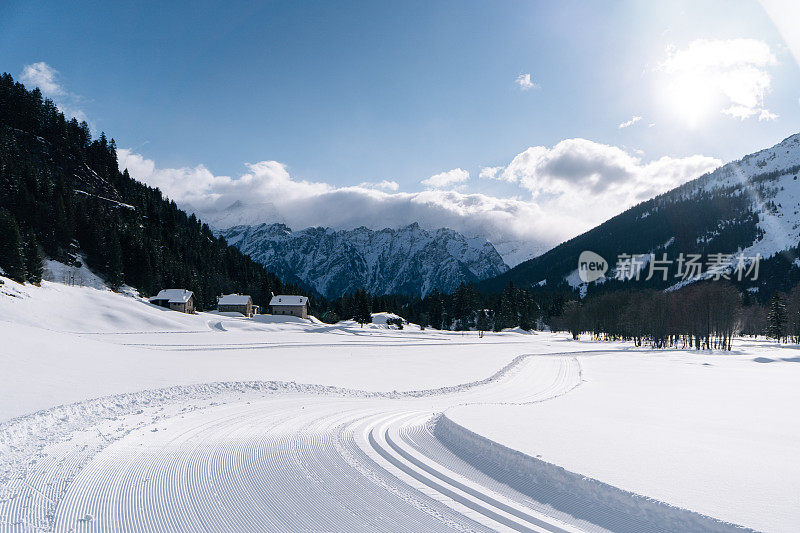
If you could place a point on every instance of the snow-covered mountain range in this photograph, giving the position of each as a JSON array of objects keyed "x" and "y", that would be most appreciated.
[{"x": 409, "y": 260}]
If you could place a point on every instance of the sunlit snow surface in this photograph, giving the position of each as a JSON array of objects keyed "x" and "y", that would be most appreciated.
[{"x": 117, "y": 415}]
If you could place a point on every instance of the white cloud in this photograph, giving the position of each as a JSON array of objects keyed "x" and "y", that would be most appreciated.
[
  {"x": 525, "y": 82},
  {"x": 267, "y": 193},
  {"x": 489, "y": 172},
  {"x": 445, "y": 180},
  {"x": 630, "y": 122},
  {"x": 46, "y": 78},
  {"x": 767, "y": 115},
  {"x": 569, "y": 188},
  {"x": 43, "y": 76},
  {"x": 384, "y": 185},
  {"x": 575, "y": 168},
  {"x": 729, "y": 74}
]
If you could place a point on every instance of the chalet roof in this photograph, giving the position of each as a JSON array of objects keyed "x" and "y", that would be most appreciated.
[
  {"x": 234, "y": 299},
  {"x": 174, "y": 296},
  {"x": 285, "y": 299}
]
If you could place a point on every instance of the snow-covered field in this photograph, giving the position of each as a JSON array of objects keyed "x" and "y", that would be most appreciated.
[
  {"x": 117, "y": 415},
  {"x": 64, "y": 344},
  {"x": 717, "y": 434}
]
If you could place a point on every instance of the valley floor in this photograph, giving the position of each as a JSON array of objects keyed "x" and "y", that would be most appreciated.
[{"x": 117, "y": 415}]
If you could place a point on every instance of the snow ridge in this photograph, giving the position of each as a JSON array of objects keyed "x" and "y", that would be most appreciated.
[{"x": 579, "y": 496}]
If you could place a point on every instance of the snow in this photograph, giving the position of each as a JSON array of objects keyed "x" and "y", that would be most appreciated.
[
  {"x": 149, "y": 419},
  {"x": 234, "y": 299},
  {"x": 381, "y": 318},
  {"x": 81, "y": 276},
  {"x": 711, "y": 433},
  {"x": 173, "y": 296},
  {"x": 64, "y": 344},
  {"x": 284, "y": 299}
]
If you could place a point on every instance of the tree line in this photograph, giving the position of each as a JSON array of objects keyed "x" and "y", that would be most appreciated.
[
  {"x": 701, "y": 316},
  {"x": 464, "y": 309}
]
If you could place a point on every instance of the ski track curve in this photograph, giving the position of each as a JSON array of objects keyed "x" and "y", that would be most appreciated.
[{"x": 279, "y": 457}]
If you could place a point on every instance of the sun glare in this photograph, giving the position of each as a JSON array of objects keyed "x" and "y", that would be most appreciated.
[{"x": 691, "y": 98}]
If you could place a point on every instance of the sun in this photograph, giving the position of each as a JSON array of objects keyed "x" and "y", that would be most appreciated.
[{"x": 691, "y": 98}]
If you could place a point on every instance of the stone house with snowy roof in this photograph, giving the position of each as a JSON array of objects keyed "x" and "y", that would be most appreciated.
[
  {"x": 175, "y": 299},
  {"x": 237, "y": 303},
  {"x": 291, "y": 305}
]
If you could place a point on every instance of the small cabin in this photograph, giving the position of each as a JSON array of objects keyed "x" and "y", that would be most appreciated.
[
  {"x": 175, "y": 299},
  {"x": 291, "y": 305},
  {"x": 237, "y": 303}
]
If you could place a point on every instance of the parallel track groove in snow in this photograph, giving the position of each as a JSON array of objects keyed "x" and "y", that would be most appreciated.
[{"x": 278, "y": 457}]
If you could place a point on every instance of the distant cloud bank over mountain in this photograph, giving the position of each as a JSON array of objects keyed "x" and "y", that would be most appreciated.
[{"x": 564, "y": 190}]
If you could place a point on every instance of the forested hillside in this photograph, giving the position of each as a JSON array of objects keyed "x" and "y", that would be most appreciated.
[
  {"x": 750, "y": 205},
  {"x": 63, "y": 196}
]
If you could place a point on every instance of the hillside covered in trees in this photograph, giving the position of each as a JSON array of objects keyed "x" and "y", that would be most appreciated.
[
  {"x": 749, "y": 205},
  {"x": 62, "y": 196}
]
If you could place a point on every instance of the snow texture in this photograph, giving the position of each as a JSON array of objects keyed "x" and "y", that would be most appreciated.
[{"x": 116, "y": 414}]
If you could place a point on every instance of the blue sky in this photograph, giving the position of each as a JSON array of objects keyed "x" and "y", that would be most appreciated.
[{"x": 345, "y": 93}]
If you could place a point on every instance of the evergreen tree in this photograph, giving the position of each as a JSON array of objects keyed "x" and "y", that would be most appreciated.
[
  {"x": 776, "y": 318},
  {"x": 525, "y": 322},
  {"x": 362, "y": 312},
  {"x": 12, "y": 260},
  {"x": 509, "y": 315},
  {"x": 34, "y": 259},
  {"x": 482, "y": 324}
]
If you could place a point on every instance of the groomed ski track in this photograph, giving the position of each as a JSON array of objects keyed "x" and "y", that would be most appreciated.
[{"x": 288, "y": 457}]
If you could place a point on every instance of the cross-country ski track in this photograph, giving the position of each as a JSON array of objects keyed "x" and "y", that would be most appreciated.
[{"x": 286, "y": 457}]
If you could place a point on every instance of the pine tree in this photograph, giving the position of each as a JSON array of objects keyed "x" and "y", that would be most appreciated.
[
  {"x": 34, "y": 259},
  {"x": 362, "y": 308},
  {"x": 12, "y": 260},
  {"x": 509, "y": 315},
  {"x": 776, "y": 318},
  {"x": 525, "y": 322},
  {"x": 482, "y": 323}
]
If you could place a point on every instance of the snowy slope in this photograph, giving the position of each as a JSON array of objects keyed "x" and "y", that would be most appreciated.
[
  {"x": 769, "y": 179},
  {"x": 408, "y": 260}
]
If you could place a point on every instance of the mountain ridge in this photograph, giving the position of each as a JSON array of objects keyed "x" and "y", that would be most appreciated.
[{"x": 408, "y": 260}]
